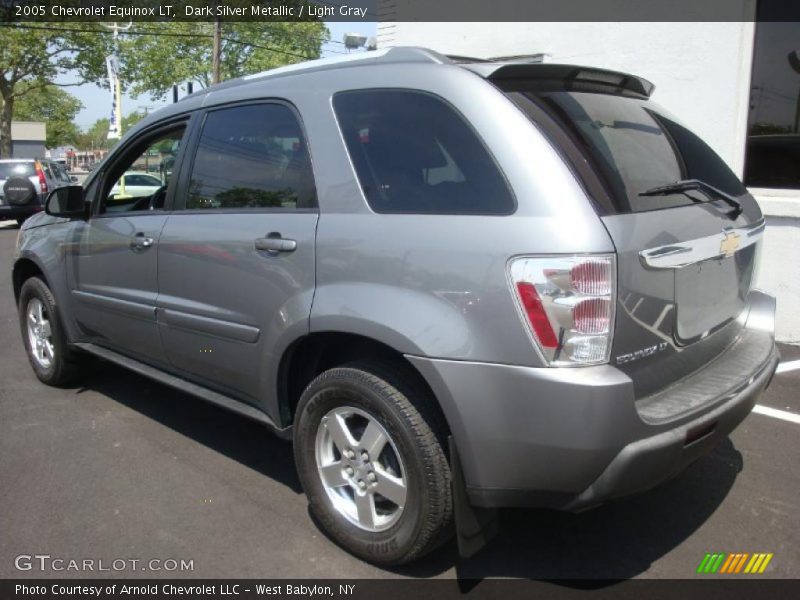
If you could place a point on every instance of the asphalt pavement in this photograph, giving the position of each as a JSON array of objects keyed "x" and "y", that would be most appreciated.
[{"x": 122, "y": 468}]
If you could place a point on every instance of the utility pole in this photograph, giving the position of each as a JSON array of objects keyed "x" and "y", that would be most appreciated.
[{"x": 216, "y": 51}]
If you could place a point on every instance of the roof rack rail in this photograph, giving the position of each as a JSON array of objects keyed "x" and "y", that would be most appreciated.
[
  {"x": 536, "y": 58},
  {"x": 458, "y": 58},
  {"x": 398, "y": 54}
]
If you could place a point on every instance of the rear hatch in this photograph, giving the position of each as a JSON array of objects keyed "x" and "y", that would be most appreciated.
[{"x": 686, "y": 258}]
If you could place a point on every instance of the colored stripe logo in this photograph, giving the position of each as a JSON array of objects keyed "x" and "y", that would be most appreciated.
[{"x": 734, "y": 563}]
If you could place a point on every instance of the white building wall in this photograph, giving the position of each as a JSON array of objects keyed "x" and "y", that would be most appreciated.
[{"x": 702, "y": 75}]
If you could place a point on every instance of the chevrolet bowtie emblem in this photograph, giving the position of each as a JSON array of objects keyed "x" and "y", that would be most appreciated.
[{"x": 729, "y": 243}]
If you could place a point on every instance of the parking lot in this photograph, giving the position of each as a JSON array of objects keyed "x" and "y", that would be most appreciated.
[{"x": 122, "y": 467}]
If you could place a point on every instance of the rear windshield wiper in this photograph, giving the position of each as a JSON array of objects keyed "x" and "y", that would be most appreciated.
[{"x": 686, "y": 185}]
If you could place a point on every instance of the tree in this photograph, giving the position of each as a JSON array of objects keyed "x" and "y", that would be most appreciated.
[
  {"x": 32, "y": 55},
  {"x": 181, "y": 51},
  {"x": 55, "y": 107},
  {"x": 131, "y": 119},
  {"x": 96, "y": 135}
]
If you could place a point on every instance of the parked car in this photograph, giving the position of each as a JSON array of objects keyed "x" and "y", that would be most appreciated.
[
  {"x": 455, "y": 285},
  {"x": 132, "y": 186},
  {"x": 24, "y": 184}
]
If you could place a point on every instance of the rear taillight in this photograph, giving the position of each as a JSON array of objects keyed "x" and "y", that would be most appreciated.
[
  {"x": 42, "y": 178},
  {"x": 567, "y": 303}
]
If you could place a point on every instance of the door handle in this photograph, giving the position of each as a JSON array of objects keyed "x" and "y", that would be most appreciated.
[
  {"x": 141, "y": 242},
  {"x": 273, "y": 242}
]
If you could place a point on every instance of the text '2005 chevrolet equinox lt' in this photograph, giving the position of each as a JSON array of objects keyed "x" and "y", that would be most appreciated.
[{"x": 455, "y": 284}]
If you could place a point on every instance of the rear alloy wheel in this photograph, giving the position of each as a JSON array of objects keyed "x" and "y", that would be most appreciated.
[
  {"x": 369, "y": 453},
  {"x": 53, "y": 361},
  {"x": 363, "y": 477}
]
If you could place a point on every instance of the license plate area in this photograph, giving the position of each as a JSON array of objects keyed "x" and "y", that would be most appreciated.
[{"x": 710, "y": 293}]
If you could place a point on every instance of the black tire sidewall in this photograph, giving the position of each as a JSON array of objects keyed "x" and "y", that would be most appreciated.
[
  {"x": 58, "y": 370},
  {"x": 386, "y": 547}
]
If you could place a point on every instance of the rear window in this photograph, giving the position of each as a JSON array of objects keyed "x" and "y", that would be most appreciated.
[
  {"x": 635, "y": 147},
  {"x": 413, "y": 153},
  {"x": 21, "y": 169}
]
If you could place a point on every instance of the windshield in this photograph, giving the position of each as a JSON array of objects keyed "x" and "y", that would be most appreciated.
[
  {"x": 635, "y": 147},
  {"x": 16, "y": 169}
]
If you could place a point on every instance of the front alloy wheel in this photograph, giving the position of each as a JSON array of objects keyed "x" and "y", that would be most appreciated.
[
  {"x": 40, "y": 334},
  {"x": 53, "y": 361}
]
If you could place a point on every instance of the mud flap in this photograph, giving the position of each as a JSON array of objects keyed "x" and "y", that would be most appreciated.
[{"x": 474, "y": 526}]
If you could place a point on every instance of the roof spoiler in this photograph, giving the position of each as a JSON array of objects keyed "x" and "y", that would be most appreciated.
[{"x": 565, "y": 76}]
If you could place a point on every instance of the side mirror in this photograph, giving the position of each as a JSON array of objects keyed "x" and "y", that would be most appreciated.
[
  {"x": 73, "y": 179},
  {"x": 66, "y": 202}
]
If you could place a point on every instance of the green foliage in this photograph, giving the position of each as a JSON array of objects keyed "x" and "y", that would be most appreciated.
[
  {"x": 33, "y": 55},
  {"x": 96, "y": 135},
  {"x": 131, "y": 119},
  {"x": 153, "y": 64},
  {"x": 31, "y": 59},
  {"x": 56, "y": 108}
]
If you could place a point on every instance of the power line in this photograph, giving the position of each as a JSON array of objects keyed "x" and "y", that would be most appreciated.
[
  {"x": 295, "y": 35},
  {"x": 166, "y": 34}
]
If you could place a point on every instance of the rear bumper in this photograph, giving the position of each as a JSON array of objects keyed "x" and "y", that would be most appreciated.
[
  {"x": 18, "y": 211},
  {"x": 573, "y": 438}
]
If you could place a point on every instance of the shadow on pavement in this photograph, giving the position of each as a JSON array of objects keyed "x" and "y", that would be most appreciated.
[
  {"x": 616, "y": 541},
  {"x": 236, "y": 437}
]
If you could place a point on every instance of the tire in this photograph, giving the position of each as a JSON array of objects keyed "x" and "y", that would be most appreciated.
[
  {"x": 375, "y": 396},
  {"x": 60, "y": 365}
]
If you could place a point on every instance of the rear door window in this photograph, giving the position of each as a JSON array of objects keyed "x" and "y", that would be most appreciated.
[
  {"x": 413, "y": 153},
  {"x": 635, "y": 147},
  {"x": 252, "y": 157}
]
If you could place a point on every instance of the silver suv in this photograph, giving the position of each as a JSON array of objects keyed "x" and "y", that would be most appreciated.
[
  {"x": 25, "y": 183},
  {"x": 455, "y": 284}
]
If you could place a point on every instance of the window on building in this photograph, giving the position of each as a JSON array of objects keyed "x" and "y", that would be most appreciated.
[
  {"x": 413, "y": 153},
  {"x": 773, "y": 141},
  {"x": 251, "y": 157}
]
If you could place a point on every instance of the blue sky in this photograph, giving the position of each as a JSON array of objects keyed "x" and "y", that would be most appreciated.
[{"x": 97, "y": 101}]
